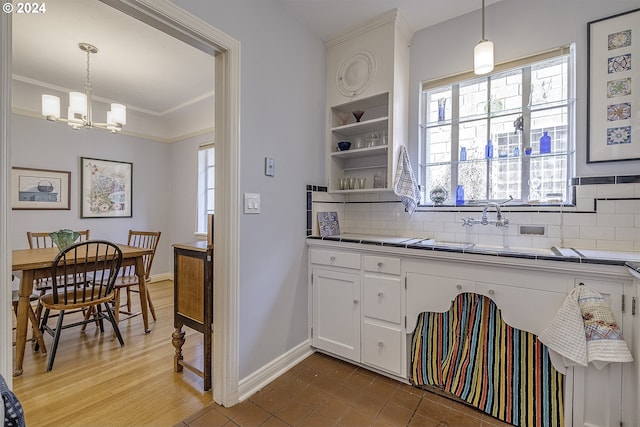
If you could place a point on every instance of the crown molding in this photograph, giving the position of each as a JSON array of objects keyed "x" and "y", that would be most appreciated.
[{"x": 392, "y": 16}]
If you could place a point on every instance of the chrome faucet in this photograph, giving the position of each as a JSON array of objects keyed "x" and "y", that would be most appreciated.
[{"x": 500, "y": 221}]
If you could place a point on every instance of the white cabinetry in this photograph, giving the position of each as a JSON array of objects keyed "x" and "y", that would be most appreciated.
[
  {"x": 605, "y": 397},
  {"x": 367, "y": 70},
  {"x": 382, "y": 341},
  {"x": 336, "y": 302}
]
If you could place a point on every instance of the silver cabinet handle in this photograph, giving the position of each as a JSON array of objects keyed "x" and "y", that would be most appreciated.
[
  {"x": 332, "y": 258},
  {"x": 380, "y": 294},
  {"x": 459, "y": 287},
  {"x": 492, "y": 292},
  {"x": 380, "y": 344},
  {"x": 380, "y": 264}
]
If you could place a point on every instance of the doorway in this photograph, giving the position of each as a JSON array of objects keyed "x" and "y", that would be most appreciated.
[{"x": 174, "y": 21}]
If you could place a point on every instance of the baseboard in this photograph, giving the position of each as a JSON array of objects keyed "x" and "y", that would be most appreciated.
[
  {"x": 269, "y": 372},
  {"x": 160, "y": 277}
]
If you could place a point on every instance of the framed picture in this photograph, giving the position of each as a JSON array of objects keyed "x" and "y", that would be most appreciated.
[
  {"x": 105, "y": 187},
  {"x": 40, "y": 189},
  {"x": 613, "y": 91}
]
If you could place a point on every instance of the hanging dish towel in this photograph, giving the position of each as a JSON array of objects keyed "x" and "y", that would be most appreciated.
[
  {"x": 604, "y": 339},
  {"x": 405, "y": 184},
  {"x": 584, "y": 330},
  {"x": 565, "y": 333}
]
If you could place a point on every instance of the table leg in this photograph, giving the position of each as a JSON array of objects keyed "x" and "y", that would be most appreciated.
[
  {"x": 143, "y": 293},
  {"x": 177, "y": 339},
  {"x": 26, "y": 287}
]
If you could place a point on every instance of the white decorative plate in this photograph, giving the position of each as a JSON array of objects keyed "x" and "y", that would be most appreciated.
[{"x": 356, "y": 73}]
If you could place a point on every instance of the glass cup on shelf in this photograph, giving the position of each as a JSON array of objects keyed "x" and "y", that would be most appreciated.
[
  {"x": 373, "y": 140},
  {"x": 352, "y": 183},
  {"x": 358, "y": 143},
  {"x": 342, "y": 183},
  {"x": 361, "y": 183},
  {"x": 383, "y": 137}
]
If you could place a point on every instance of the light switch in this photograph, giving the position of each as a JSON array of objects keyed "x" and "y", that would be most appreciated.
[
  {"x": 251, "y": 203},
  {"x": 269, "y": 167}
]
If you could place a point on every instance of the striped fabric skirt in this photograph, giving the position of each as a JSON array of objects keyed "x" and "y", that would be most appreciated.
[{"x": 471, "y": 352}]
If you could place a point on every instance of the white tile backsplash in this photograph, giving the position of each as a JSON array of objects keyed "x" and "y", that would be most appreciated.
[{"x": 615, "y": 225}]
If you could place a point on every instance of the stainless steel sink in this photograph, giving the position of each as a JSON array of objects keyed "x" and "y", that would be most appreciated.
[{"x": 446, "y": 244}]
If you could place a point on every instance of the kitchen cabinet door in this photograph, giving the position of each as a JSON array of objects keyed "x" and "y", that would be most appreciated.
[
  {"x": 336, "y": 312},
  {"x": 604, "y": 397}
]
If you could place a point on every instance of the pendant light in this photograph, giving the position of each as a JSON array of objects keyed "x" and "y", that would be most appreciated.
[
  {"x": 483, "y": 53},
  {"x": 79, "y": 114}
]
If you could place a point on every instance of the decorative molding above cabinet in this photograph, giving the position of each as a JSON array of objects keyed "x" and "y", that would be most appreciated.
[{"x": 367, "y": 72}]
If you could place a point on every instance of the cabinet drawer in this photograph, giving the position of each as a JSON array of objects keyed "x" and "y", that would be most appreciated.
[
  {"x": 382, "y": 347},
  {"x": 380, "y": 264},
  {"x": 382, "y": 298},
  {"x": 335, "y": 258}
]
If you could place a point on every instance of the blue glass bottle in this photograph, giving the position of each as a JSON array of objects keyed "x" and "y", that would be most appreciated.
[
  {"x": 463, "y": 154},
  {"x": 460, "y": 196},
  {"x": 516, "y": 151},
  {"x": 545, "y": 144},
  {"x": 488, "y": 150}
]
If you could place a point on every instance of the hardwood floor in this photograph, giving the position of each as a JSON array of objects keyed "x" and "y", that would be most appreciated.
[{"x": 95, "y": 382}]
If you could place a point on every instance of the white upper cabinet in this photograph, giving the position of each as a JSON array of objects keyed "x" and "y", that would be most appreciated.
[{"x": 367, "y": 72}]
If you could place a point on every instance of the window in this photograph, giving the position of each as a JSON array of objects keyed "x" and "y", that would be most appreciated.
[
  {"x": 206, "y": 184},
  {"x": 513, "y": 108}
]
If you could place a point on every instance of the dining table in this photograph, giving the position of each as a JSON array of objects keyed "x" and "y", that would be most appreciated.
[{"x": 37, "y": 264}]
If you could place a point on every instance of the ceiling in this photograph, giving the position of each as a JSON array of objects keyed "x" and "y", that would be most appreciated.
[
  {"x": 155, "y": 74},
  {"x": 328, "y": 18}
]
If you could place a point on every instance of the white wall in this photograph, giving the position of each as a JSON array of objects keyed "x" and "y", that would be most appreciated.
[
  {"x": 517, "y": 28},
  {"x": 282, "y": 117},
  {"x": 38, "y": 143}
]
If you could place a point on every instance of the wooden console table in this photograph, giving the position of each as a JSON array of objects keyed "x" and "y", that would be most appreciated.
[{"x": 193, "y": 302}]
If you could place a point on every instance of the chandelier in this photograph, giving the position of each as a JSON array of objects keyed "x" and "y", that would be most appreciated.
[
  {"x": 79, "y": 113},
  {"x": 483, "y": 53}
]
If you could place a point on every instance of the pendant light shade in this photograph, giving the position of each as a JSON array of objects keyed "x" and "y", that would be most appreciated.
[
  {"x": 483, "y": 53},
  {"x": 51, "y": 107},
  {"x": 483, "y": 57}
]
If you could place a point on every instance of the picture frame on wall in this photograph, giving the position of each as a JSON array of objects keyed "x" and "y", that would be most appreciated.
[
  {"x": 106, "y": 188},
  {"x": 44, "y": 189},
  {"x": 613, "y": 88}
]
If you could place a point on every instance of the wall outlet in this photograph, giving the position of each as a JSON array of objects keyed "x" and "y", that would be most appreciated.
[{"x": 269, "y": 167}]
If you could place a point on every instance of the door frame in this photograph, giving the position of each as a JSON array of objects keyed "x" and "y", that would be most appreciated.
[{"x": 173, "y": 20}]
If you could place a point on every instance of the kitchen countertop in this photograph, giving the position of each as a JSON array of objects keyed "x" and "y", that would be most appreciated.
[{"x": 587, "y": 256}]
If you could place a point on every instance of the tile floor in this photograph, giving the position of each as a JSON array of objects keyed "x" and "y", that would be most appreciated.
[{"x": 323, "y": 391}]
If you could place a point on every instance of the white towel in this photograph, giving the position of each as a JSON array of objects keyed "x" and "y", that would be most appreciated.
[
  {"x": 584, "y": 330},
  {"x": 405, "y": 184}
]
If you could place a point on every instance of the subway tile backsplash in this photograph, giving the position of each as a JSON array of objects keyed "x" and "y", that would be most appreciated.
[{"x": 606, "y": 216}]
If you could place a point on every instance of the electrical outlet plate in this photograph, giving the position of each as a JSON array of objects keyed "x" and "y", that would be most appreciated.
[{"x": 269, "y": 167}]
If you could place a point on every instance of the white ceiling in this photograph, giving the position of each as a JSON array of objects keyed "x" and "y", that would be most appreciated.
[
  {"x": 328, "y": 18},
  {"x": 155, "y": 74}
]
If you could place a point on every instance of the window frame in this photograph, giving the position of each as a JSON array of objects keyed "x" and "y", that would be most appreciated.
[
  {"x": 205, "y": 170},
  {"x": 455, "y": 82}
]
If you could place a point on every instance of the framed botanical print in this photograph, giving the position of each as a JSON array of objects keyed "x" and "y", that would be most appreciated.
[
  {"x": 106, "y": 188},
  {"x": 613, "y": 92},
  {"x": 40, "y": 189}
]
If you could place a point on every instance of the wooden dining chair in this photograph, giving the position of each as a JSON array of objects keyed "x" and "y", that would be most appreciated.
[
  {"x": 15, "y": 295},
  {"x": 128, "y": 279},
  {"x": 84, "y": 276},
  {"x": 41, "y": 239}
]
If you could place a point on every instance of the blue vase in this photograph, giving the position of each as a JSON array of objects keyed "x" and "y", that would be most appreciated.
[
  {"x": 488, "y": 150},
  {"x": 545, "y": 144},
  {"x": 460, "y": 196},
  {"x": 463, "y": 154}
]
